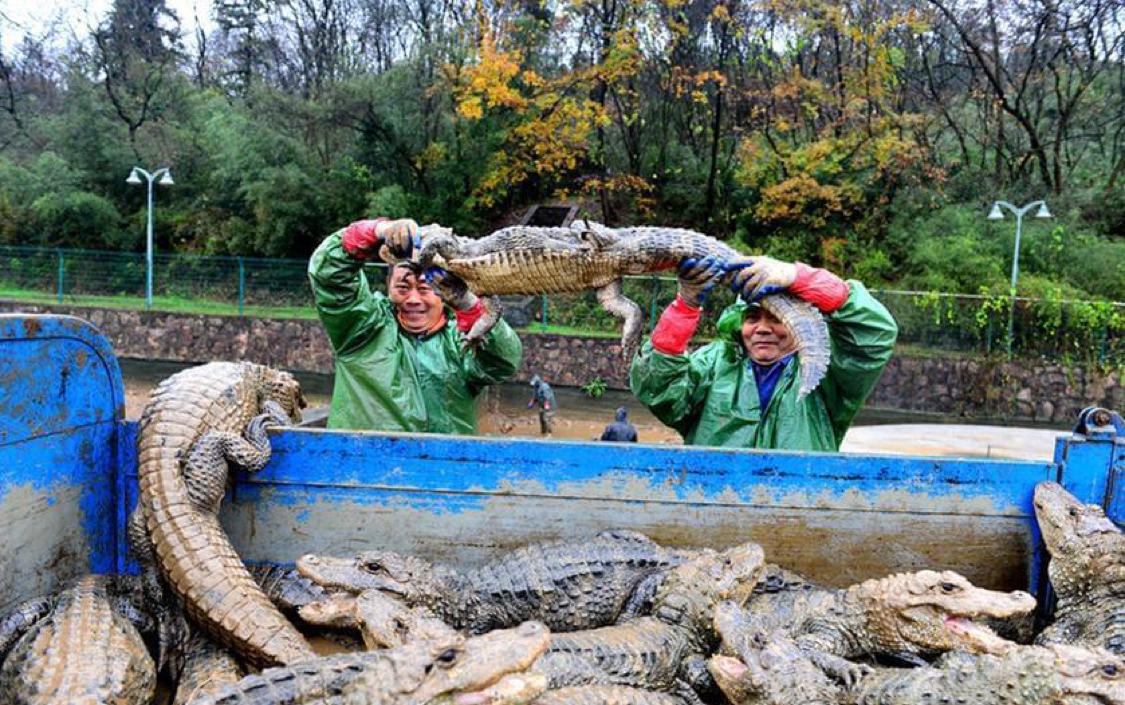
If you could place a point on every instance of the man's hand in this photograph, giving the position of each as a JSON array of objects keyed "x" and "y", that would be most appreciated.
[
  {"x": 363, "y": 238},
  {"x": 400, "y": 236},
  {"x": 697, "y": 278},
  {"x": 451, "y": 288},
  {"x": 763, "y": 276}
]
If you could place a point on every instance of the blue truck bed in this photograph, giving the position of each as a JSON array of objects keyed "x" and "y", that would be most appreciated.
[{"x": 68, "y": 480}]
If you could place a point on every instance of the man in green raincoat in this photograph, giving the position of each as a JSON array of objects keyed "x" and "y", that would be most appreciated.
[
  {"x": 400, "y": 365},
  {"x": 741, "y": 390}
]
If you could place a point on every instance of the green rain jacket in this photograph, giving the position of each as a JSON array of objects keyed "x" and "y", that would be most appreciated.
[
  {"x": 711, "y": 398},
  {"x": 388, "y": 379}
]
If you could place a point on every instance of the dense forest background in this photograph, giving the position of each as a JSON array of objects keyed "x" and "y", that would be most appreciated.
[{"x": 870, "y": 136}]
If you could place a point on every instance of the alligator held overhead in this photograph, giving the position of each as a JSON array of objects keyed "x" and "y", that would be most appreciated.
[{"x": 588, "y": 255}]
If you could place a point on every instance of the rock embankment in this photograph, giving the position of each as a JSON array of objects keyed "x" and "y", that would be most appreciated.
[{"x": 995, "y": 388}]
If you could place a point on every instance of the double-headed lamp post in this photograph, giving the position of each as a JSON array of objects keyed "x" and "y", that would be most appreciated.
[
  {"x": 997, "y": 214},
  {"x": 165, "y": 177}
]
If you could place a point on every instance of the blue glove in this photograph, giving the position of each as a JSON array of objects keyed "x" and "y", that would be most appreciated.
[
  {"x": 697, "y": 278},
  {"x": 450, "y": 287}
]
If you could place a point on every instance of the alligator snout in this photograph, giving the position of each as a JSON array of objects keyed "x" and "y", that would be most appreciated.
[
  {"x": 531, "y": 629},
  {"x": 1021, "y": 602}
]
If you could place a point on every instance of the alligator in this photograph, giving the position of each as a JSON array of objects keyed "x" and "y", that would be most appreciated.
[
  {"x": 206, "y": 668},
  {"x": 1022, "y": 675},
  {"x": 513, "y": 689},
  {"x": 78, "y": 646},
  {"x": 287, "y": 588},
  {"x": 413, "y": 674},
  {"x": 607, "y": 695},
  {"x": 779, "y": 674},
  {"x": 568, "y": 585},
  {"x": 665, "y": 651},
  {"x": 189, "y": 430},
  {"x": 383, "y": 621},
  {"x": 765, "y": 669},
  {"x": 586, "y": 255},
  {"x": 907, "y": 614},
  {"x": 1087, "y": 570}
]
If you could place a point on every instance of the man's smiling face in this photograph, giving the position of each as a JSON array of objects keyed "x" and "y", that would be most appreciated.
[
  {"x": 765, "y": 338},
  {"x": 418, "y": 306}
]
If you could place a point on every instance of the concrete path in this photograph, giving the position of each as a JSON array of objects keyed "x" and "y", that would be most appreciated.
[{"x": 953, "y": 440}]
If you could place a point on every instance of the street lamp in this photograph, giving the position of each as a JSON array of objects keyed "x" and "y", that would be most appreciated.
[
  {"x": 997, "y": 214},
  {"x": 135, "y": 180}
]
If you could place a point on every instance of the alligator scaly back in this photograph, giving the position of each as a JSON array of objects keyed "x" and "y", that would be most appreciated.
[
  {"x": 79, "y": 651},
  {"x": 195, "y": 556},
  {"x": 588, "y": 255}
]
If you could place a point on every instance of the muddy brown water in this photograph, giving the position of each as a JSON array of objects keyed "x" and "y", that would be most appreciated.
[{"x": 502, "y": 411}]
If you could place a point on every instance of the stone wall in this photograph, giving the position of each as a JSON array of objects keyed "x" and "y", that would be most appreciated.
[{"x": 955, "y": 386}]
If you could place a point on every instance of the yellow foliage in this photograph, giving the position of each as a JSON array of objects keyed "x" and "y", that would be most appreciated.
[
  {"x": 470, "y": 108},
  {"x": 488, "y": 83}
]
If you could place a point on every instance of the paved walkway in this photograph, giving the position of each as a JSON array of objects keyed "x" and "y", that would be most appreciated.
[{"x": 953, "y": 439}]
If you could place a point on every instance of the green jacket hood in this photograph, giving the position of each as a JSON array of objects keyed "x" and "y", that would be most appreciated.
[{"x": 729, "y": 324}]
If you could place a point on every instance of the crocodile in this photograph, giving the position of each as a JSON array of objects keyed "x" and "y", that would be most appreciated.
[
  {"x": 413, "y": 674},
  {"x": 607, "y": 695},
  {"x": 665, "y": 651},
  {"x": 586, "y": 255},
  {"x": 188, "y": 431},
  {"x": 77, "y": 647},
  {"x": 513, "y": 689},
  {"x": 779, "y": 674},
  {"x": 206, "y": 668},
  {"x": 1087, "y": 570},
  {"x": 287, "y": 588},
  {"x": 765, "y": 669},
  {"x": 569, "y": 585},
  {"x": 383, "y": 621},
  {"x": 908, "y": 614},
  {"x": 1022, "y": 675}
]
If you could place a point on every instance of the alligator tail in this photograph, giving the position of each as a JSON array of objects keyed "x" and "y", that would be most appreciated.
[
  {"x": 809, "y": 331},
  {"x": 195, "y": 556}
]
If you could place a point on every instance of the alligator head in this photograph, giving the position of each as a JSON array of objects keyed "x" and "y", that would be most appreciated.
[
  {"x": 765, "y": 664},
  {"x": 512, "y": 689},
  {"x": 1084, "y": 544},
  {"x": 734, "y": 678},
  {"x": 456, "y": 666},
  {"x": 283, "y": 388},
  {"x": 931, "y": 612},
  {"x": 411, "y": 579},
  {"x": 691, "y": 591},
  {"x": 777, "y": 673},
  {"x": 336, "y": 611},
  {"x": 384, "y": 622},
  {"x": 1089, "y": 676}
]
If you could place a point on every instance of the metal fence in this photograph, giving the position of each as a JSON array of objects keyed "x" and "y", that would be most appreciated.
[{"x": 972, "y": 324}]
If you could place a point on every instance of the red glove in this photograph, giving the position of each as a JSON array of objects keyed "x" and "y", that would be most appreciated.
[
  {"x": 466, "y": 318},
  {"x": 820, "y": 288},
  {"x": 360, "y": 240},
  {"x": 674, "y": 329}
]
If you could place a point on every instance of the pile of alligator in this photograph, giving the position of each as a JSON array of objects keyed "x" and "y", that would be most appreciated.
[{"x": 617, "y": 619}]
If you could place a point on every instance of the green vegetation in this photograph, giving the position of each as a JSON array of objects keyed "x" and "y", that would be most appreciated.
[
  {"x": 173, "y": 304},
  {"x": 595, "y": 388}
]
